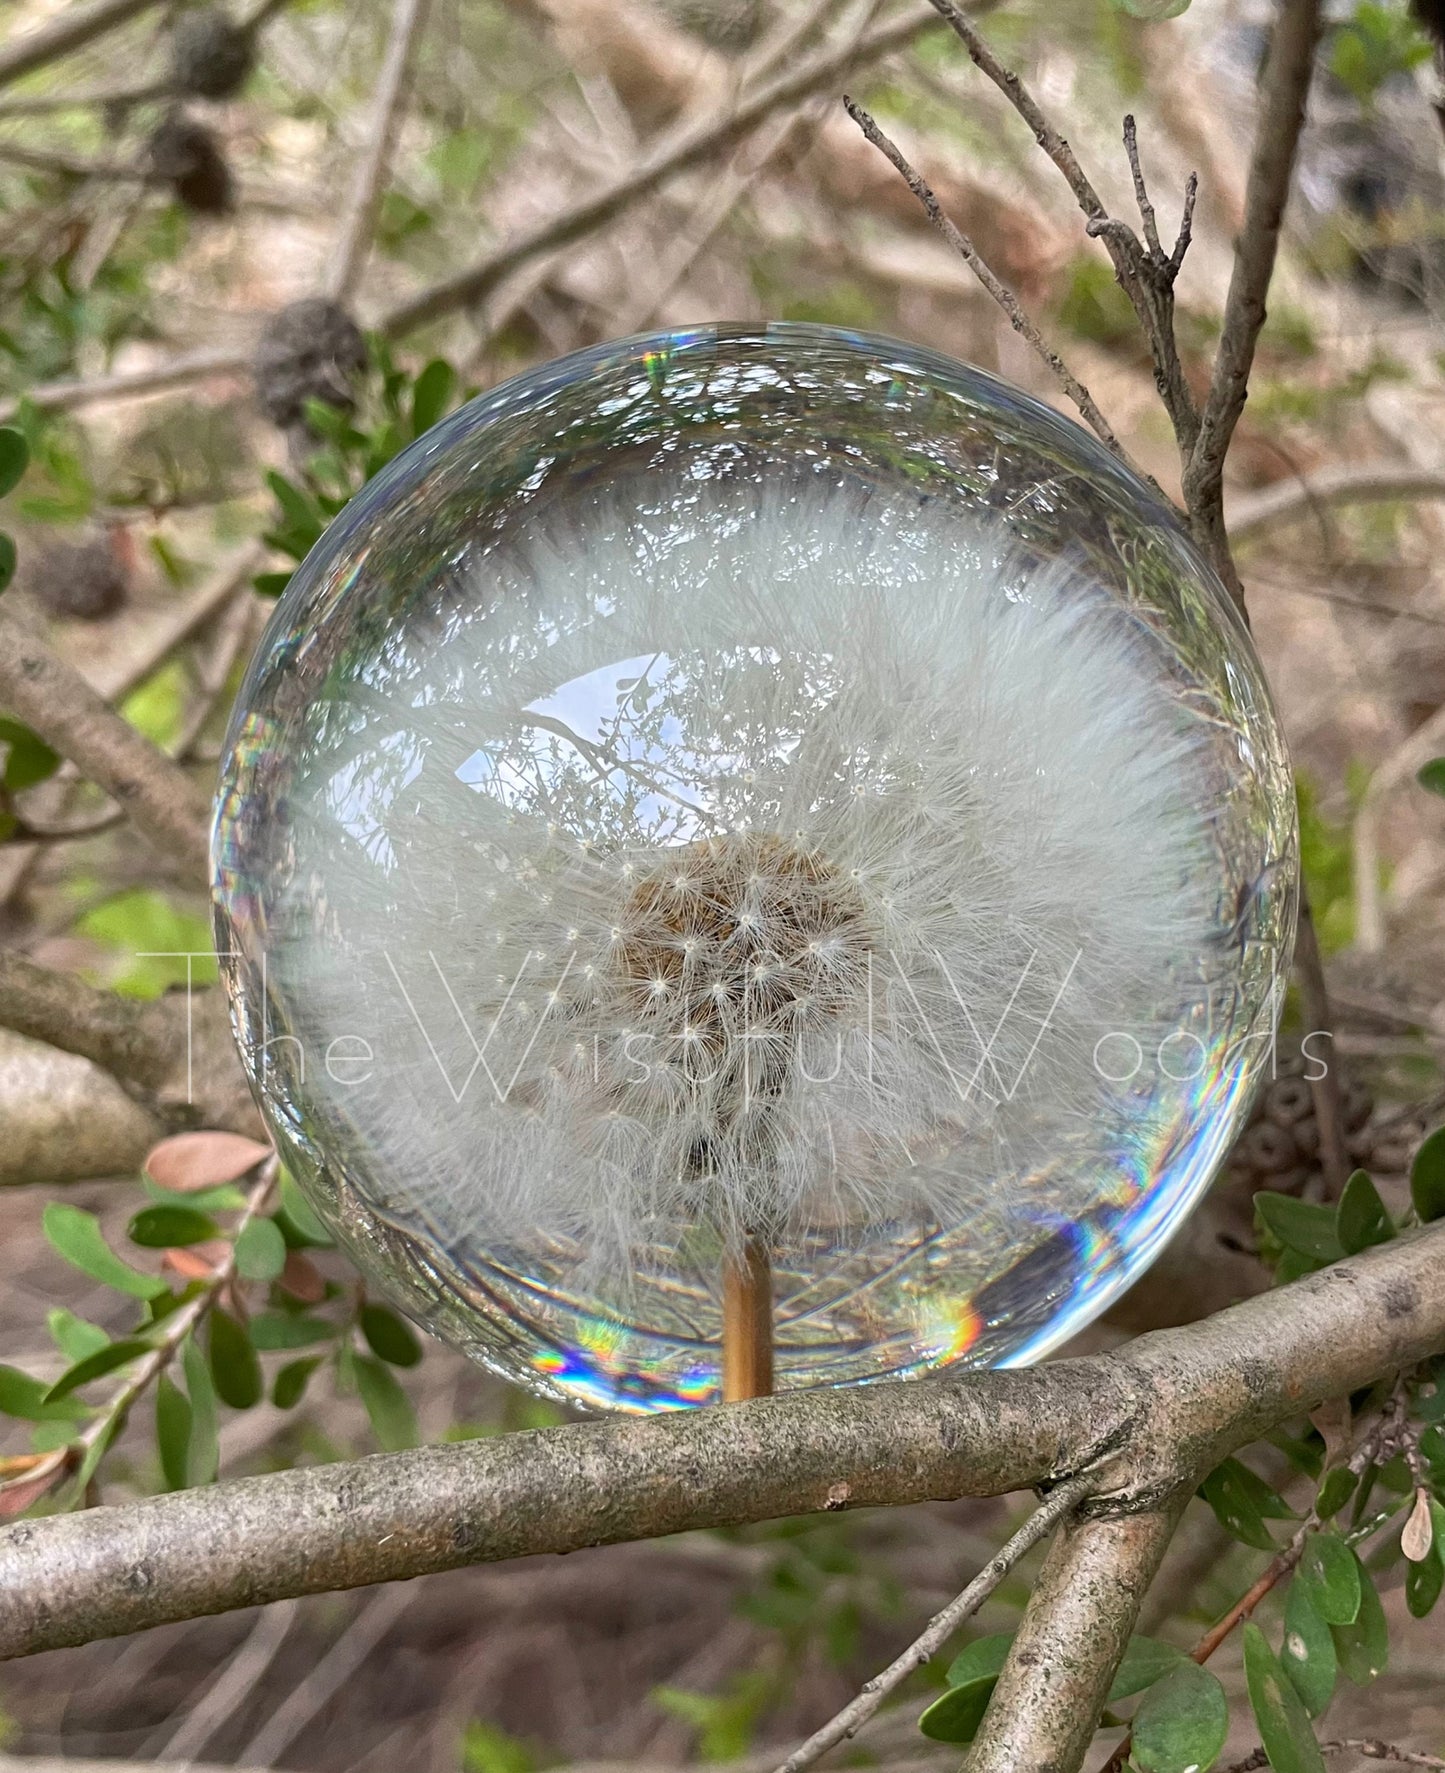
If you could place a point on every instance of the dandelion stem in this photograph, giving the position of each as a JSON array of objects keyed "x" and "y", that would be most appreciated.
[{"x": 747, "y": 1334}]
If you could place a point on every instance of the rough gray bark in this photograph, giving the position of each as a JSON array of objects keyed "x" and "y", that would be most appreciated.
[{"x": 1146, "y": 1422}]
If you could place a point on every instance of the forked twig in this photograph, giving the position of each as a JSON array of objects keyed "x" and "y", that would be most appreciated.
[
  {"x": 1059, "y": 1502},
  {"x": 1001, "y": 293}
]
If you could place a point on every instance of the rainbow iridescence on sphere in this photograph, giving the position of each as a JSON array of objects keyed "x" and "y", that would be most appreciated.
[{"x": 753, "y": 783}]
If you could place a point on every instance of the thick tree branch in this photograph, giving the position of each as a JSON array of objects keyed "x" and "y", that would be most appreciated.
[
  {"x": 1145, "y": 1423},
  {"x": 63, "y": 1119},
  {"x": 680, "y": 151},
  {"x": 132, "y": 1041},
  {"x": 55, "y": 700},
  {"x": 1045, "y": 1708}
]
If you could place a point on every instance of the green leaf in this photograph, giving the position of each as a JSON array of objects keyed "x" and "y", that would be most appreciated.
[
  {"x": 1432, "y": 775},
  {"x": 1300, "y": 1225},
  {"x": 1364, "y": 1646},
  {"x": 76, "y": 1235},
  {"x": 390, "y": 1336},
  {"x": 284, "y": 1329},
  {"x": 234, "y": 1366},
  {"x": 1361, "y": 1220},
  {"x": 260, "y": 1251},
  {"x": 392, "y": 1419},
  {"x": 1427, "y": 1178},
  {"x": 1335, "y": 1491},
  {"x": 203, "y": 1453},
  {"x": 1181, "y": 1722},
  {"x": 173, "y": 1432},
  {"x": 96, "y": 1366},
  {"x": 431, "y": 393},
  {"x": 1153, "y": 10},
  {"x": 271, "y": 584},
  {"x": 30, "y": 1399},
  {"x": 72, "y": 1335},
  {"x": 170, "y": 1228},
  {"x": 7, "y": 560},
  {"x": 291, "y": 1381},
  {"x": 1423, "y": 1581},
  {"x": 299, "y": 1223},
  {"x": 298, "y": 507},
  {"x": 1146, "y": 1660},
  {"x": 1307, "y": 1654},
  {"x": 1242, "y": 1502},
  {"x": 14, "y": 457},
  {"x": 1332, "y": 1574},
  {"x": 28, "y": 758},
  {"x": 972, "y": 1676},
  {"x": 1284, "y": 1727}
]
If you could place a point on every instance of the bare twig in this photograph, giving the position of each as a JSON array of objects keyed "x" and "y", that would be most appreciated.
[
  {"x": 1164, "y": 1409},
  {"x": 1316, "y": 494},
  {"x": 1005, "y": 297},
  {"x": 941, "y": 1627},
  {"x": 72, "y": 29},
  {"x": 1369, "y": 1748},
  {"x": 55, "y": 700},
  {"x": 349, "y": 254},
  {"x": 1284, "y": 90},
  {"x": 229, "y": 1691},
  {"x": 1325, "y": 1090},
  {"x": 699, "y": 140},
  {"x": 75, "y": 101},
  {"x": 190, "y": 366}
]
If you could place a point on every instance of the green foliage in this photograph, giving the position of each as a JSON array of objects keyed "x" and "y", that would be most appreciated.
[
  {"x": 1330, "y": 1574},
  {"x": 1152, "y": 9},
  {"x": 486, "y": 1749},
  {"x": 393, "y": 409},
  {"x": 1361, "y": 1220},
  {"x": 1307, "y": 1653},
  {"x": 1363, "y": 1644},
  {"x": 76, "y": 1235},
  {"x": 260, "y": 1251},
  {"x": 157, "y": 944},
  {"x": 393, "y": 1421},
  {"x": 235, "y": 1370},
  {"x": 1284, "y": 1725},
  {"x": 1432, "y": 775},
  {"x": 1378, "y": 43},
  {"x": 956, "y": 1715},
  {"x": 1327, "y": 862},
  {"x": 1094, "y": 307},
  {"x": 725, "y": 1722},
  {"x": 1427, "y": 1178},
  {"x": 170, "y": 1227},
  {"x": 1243, "y": 1503},
  {"x": 390, "y": 1337},
  {"x": 1181, "y": 1722}
]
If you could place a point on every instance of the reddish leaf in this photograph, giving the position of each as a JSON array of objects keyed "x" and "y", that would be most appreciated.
[
  {"x": 302, "y": 1279},
  {"x": 199, "y": 1262},
  {"x": 192, "y": 1161},
  {"x": 18, "y": 1493}
]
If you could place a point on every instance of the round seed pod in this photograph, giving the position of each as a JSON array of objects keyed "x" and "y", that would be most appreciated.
[
  {"x": 186, "y": 156},
  {"x": 81, "y": 581},
  {"x": 1280, "y": 1145},
  {"x": 310, "y": 350},
  {"x": 211, "y": 56}
]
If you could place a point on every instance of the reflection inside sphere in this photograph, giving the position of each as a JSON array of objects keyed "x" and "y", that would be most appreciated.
[{"x": 771, "y": 785}]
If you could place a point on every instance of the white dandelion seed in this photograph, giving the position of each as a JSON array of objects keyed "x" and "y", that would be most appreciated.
[{"x": 814, "y": 1003}]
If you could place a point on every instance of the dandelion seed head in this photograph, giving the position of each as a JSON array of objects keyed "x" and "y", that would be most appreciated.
[{"x": 754, "y": 825}]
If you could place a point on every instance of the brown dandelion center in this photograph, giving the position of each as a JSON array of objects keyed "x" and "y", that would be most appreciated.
[{"x": 743, "y": 937}]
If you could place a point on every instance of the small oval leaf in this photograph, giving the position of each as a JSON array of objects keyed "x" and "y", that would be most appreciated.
[
  {"x": 1284, "y": 1727},
  {"x": 192, "y": 1161},
  {"x": 1181, "y": 1722},
  {"x": 170, "y": 1228},
  {"x": 260, "y": 1251},
  {"x": 234, "y": 1366},
  {"x": 390, "y": 1336}
]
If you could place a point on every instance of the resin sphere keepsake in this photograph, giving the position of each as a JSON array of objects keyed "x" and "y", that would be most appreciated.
[{"x": 760, "y": 789}]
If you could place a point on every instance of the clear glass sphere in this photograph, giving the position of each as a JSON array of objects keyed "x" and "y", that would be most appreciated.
[{"x": 768, "y": 788}]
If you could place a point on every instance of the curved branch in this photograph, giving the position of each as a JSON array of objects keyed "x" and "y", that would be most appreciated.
[
  {"x": 1146, "y": 1422},
  {"x": 131, "y": 1041},
  {"x": 56, "y": 701},
  {"x": 1314, "y": 494}
]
